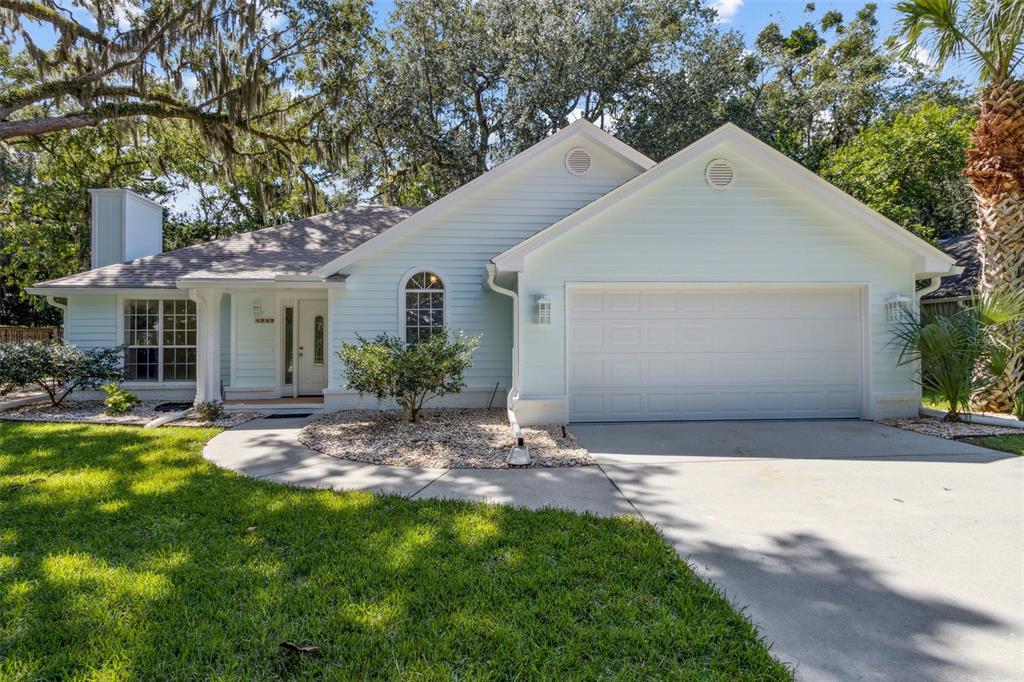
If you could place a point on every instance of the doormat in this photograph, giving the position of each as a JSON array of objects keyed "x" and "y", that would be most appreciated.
[{"x": 172, "y": 407}]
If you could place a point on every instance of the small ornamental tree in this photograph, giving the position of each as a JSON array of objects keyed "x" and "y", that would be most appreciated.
[
  {"x": 411, "y": 374},
  {"x": 56, "y": 368},
  {"x": 961, "y": 353}
]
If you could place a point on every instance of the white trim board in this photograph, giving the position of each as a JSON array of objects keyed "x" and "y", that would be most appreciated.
[
  {"x": 578, "y": 127},
  {"x": 932, "y": 260}
]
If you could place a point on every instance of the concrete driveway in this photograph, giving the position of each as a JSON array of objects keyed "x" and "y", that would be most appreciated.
[{"x": 860, "y": 550}]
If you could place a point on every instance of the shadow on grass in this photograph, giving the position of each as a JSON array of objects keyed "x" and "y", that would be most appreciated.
[{"x": 123, "y": 553}]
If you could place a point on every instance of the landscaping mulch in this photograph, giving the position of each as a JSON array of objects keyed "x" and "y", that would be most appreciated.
[
  {"x": 440, "y": 439},
  {"x": 91, "y": 412},
  {"x": 931, "y": 426}
]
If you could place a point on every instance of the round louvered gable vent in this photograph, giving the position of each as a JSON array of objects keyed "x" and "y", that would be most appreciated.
[
  {"x": 578, "y": 161},
  {"x": 719, "y": 174}
]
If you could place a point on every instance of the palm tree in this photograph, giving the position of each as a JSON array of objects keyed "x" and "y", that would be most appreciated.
[{"x": 990, "y": 35}]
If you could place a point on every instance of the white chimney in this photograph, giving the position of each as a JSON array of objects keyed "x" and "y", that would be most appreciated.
[{"x": 125, "y": 226}]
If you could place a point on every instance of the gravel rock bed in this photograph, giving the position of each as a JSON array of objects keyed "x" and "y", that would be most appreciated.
[
  {"x": 91, "y": 412},
  {"x": 441, "y": 439},
  {"x": 931, "y": 426}
]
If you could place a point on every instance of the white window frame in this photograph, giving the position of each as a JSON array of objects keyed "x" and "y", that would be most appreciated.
[
  {"x": 445, "y": 283},
  {"x": 146, "y": 296}
]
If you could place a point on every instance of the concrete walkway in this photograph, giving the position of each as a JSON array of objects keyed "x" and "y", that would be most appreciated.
[{"x": 268, "y": 449}]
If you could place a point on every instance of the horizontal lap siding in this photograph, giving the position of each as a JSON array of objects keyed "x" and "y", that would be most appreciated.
[
  {"x": 679, "y": 229},
  {"x": 459, "y": 243},
  {"x": 256, "y": 344},
  {"x": 92, "y": 321},
  {"x": 225, "y": 340}
]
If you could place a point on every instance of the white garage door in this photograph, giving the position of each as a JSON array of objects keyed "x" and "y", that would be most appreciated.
[{"x": 695, "y": 352}]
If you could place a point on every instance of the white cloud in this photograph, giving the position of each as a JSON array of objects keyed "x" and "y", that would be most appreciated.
[
  {"x": 924, "y": 56},
  {"x": 275, "y": 20},
  {"x": 727, "y": 9},
  {"x": 123, "y": 15}
]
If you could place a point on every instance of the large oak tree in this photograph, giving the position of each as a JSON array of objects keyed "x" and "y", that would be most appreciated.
[{"x": 250, "y": 76}]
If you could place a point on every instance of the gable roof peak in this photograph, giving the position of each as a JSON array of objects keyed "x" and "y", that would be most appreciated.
[
  {"x": 580, "y": 126},
  {"x": 934, "y": 260}
]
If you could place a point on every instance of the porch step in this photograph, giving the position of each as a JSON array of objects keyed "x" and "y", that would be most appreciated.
[{"x": 283, "y": 408}]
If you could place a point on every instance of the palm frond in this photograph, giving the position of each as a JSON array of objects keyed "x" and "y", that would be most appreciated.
[{"x": 987, "y": 33}]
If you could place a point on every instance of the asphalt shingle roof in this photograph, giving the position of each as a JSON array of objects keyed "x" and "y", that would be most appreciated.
[
  {"x": 965, "y": 249},
  {"x": 295, "y": 248}
]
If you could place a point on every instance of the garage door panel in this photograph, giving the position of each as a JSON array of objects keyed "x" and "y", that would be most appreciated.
[
  {"x": 720, "y": 354},
  {"x": 625, "y": 302},
  {"x": 656, "y": 335},
  {"x": 623, "y": 337}
]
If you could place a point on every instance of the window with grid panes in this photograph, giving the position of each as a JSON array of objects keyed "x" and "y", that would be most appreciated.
[
  {"x": 160, "y": 339},
  {"x": 424, "y": 306}
]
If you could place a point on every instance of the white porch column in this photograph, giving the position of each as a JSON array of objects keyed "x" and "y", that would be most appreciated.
[{"x": 208, "y": 350}]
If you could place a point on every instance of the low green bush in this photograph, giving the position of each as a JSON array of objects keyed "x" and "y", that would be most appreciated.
[
  {"x": 119, "y": 400},
  {"x": 209, "y": 411},
  {"x": 56, "y": 368},
  {"x": 961, "y": 353}
]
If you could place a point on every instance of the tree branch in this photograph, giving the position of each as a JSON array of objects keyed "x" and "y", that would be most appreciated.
[
  {"x": 103, "y": 112},
  {"x": 43, "y": 13}
]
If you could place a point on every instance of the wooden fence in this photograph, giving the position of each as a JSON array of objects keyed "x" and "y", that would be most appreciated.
[{"x": 28, "y": 334}]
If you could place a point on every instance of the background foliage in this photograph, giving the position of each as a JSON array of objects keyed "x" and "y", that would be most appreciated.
[{"x": 406, "y": 111}]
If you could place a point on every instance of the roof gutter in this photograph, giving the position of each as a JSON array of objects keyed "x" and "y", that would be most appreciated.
[
  {"x": 520, "y": 454},
  {"x": 260, "y": 283},
  {"x": 65, "y": 290},
  {"x": 935, "y": 281}
]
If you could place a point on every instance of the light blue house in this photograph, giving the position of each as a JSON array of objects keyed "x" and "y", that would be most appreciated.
[{"x": 726, "y": 282}]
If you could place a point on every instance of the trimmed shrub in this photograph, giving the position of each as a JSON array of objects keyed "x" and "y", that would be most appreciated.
[
  {"x": 411, "y": 374},
  {"x": 57, "y": 368}
]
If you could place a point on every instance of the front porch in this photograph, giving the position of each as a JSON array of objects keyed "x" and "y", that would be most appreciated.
[{"x": 264, "y": 347}]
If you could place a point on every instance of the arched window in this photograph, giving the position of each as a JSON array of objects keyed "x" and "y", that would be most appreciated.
[{"x": 424, "y": 306}]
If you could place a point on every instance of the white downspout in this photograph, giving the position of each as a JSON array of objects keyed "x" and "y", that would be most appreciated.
[
  {"x": 520, "y": 454},
  {"x": 933, "y": 284},
  {"x": 63, "y": 307}
]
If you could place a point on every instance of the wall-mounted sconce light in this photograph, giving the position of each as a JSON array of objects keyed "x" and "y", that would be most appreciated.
[
  {"x": 543, "y": 309},
  {"x": 898, "y": 308}
]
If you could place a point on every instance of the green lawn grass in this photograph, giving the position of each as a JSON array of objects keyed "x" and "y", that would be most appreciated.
[
  {"x": 123, "y": 554},
  {"x": 1013, "y": 444}
]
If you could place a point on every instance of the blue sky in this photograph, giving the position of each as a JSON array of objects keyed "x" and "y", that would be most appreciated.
[{"x": 750, "y": 16}]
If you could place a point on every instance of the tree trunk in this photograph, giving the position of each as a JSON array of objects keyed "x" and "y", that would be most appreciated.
[{"x": 995, "y": 166}]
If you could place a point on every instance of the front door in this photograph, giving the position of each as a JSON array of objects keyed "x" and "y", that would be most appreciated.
[{"x": 313, "y": 350}]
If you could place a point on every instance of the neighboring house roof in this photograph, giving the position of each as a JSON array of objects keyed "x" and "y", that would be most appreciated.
[
  {"x": 580, "y": 127},
  {"x": 965, "y": 250},
  {"x": 291, "y": 250},
  {"x": 932, "y": 259}
]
